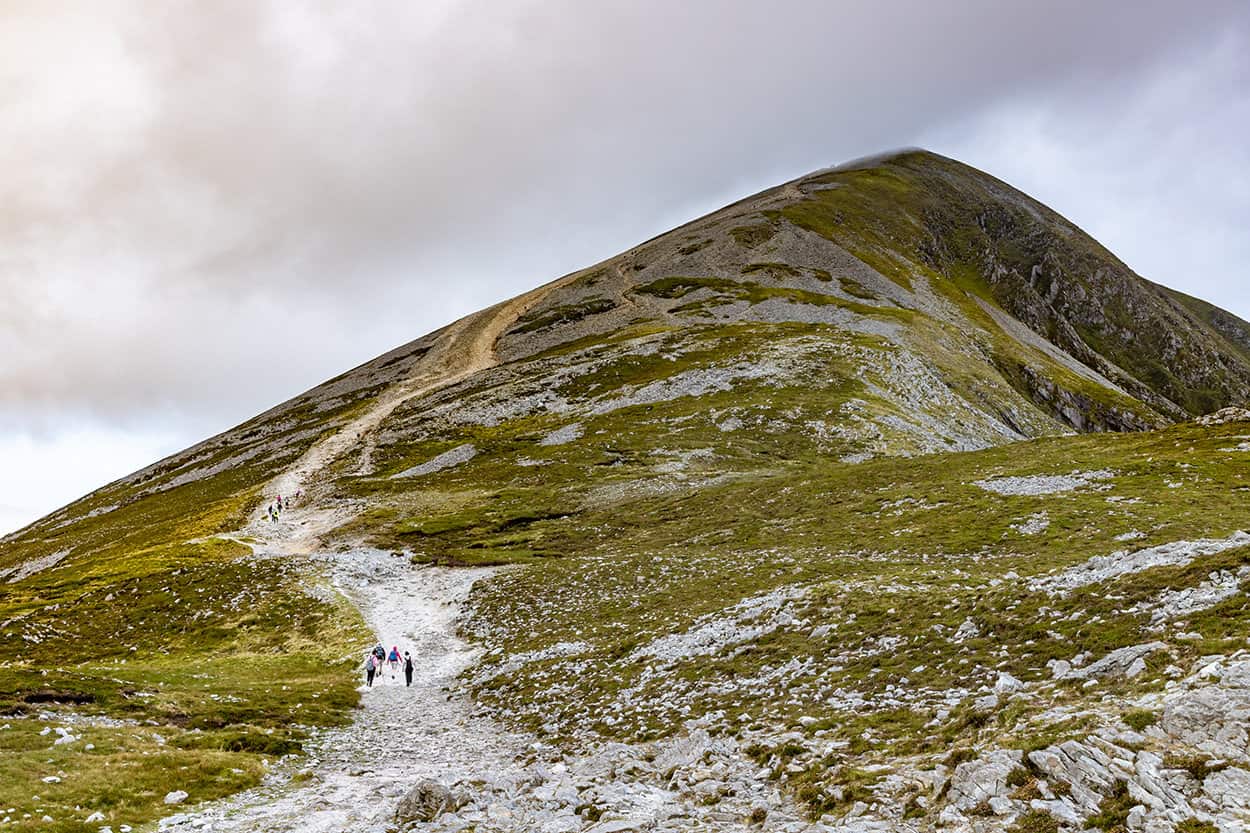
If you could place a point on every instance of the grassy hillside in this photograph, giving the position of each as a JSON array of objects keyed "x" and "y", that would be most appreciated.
[{"x": 759, "y": 472}]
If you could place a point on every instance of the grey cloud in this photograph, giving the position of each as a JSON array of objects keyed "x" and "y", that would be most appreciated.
[{"x": 214, "y": 206}]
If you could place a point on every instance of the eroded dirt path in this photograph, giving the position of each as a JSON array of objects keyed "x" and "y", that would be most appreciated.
[{"x": 467, "y": 347}]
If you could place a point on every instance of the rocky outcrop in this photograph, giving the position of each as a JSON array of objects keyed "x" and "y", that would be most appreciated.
[
  {"x": 1213, "y": 719},
  {"x": 1225, "y": 416},
  {"x": 423, "y": 803}
]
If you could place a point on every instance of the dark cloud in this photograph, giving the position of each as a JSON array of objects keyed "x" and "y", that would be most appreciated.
[{"x": 209, "y": 207}]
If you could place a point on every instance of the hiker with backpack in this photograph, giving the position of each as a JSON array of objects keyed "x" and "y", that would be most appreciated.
[
  {"x": 407, "y": 669},
  {"x": 393, "y": 659},
  {"x": 371, "y": 668}
]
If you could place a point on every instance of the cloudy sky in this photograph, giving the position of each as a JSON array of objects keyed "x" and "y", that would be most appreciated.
[{"x": 210, "y": 207}]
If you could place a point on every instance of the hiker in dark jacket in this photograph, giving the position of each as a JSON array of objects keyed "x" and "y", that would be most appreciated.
[{"x": 408, "y": 668}]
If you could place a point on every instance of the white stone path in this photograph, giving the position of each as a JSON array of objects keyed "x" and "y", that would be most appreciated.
[{"x": 401, "y": 735}]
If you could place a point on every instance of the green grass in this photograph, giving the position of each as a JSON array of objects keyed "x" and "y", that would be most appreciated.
[
  {"x": 1140, "y": 719},
  {"x": 125, "y": 776},
  {"x": 564, "y": 314},
  {"x": 1112, "y": 815},
  {"x": 223, "y": 661}
]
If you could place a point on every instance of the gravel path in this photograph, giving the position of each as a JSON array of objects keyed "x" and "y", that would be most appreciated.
[{"x": 401, "y": 735}]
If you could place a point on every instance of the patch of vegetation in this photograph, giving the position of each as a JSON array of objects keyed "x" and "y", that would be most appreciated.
[
  {"x": 1112, "y": 815},
  {"x": 678, "y": 287},
  {"x": 773, "y": 268},
  {"x": 1036, "y": 821},
  {"x": 853, "y": 287},
  {"x": 753, "y": 236},
  {"x": 1140, "y": 719},
  {"x": 565, "y": 314},
  {"x": 754, "y": 293},
  {"x": 1198, "y": 766}
]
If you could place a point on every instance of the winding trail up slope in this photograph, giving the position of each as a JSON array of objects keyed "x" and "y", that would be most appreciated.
[
  {"x": 468, "y": 347},
  {"x": 401, "y": 734}
]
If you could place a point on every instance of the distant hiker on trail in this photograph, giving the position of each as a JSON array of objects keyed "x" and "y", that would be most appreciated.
[
  {"x": 393, "y": 659},
  {"x": 379, "y": 655},
  {"x": 371, "y": 668},
  {"x": 407, "y": 668}
]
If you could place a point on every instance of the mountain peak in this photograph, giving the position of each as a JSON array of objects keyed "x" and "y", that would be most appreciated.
[{"x": 833, "y": 502}]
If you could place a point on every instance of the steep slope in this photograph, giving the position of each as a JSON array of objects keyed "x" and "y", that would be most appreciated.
[{"x": 763, "y": 470}]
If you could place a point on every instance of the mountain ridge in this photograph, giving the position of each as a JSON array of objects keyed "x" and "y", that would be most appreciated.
[
  {"x": 1231, "y": 332},
  {"x": 837, "y": 501}
]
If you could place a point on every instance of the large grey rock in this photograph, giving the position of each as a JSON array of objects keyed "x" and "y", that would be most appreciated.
[
  {"x": 1214, "y": 719},
  {"x": 1125, "y": 663},
  {"x": 1228, "y": 790},
  {"x": 984, "y": 779},
  {"x": 424, "y": 803},
  {"x": 1085, "y": 768}
]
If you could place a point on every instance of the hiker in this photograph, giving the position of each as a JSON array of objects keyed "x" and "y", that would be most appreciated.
[
  {"x": 407, "y": 668},
  {"x": 371, "y": 668},
  {"x": 379, "y": 655},
  {"x": 393, "y": 659}
]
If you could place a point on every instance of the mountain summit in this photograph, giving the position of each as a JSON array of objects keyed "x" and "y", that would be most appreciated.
[{"x": 871, "y": 499}]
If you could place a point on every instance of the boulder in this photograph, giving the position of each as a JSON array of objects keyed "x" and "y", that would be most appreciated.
[
  {"x": 1125, "y": 663},
  {"x": 1213, "y": 720},
  {"x": 1007, "y": 684},
  {"x": 424, "y": 803},
  {"x": 981, "y": 780},
  {"x": 176, "y": 797}
]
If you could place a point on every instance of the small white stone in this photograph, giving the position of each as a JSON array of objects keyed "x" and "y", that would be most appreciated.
[
  {"x": 1007, "y": 684},
  {"x": 176, "y": 797}
]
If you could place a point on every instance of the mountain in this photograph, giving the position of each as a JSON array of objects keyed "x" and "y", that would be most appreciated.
[{"x": 875, "y": 498}]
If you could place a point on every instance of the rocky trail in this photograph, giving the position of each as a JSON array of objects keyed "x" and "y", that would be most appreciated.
[
  {"x": 355, "y": 776},
  {"x": 423, "y": 751}
]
